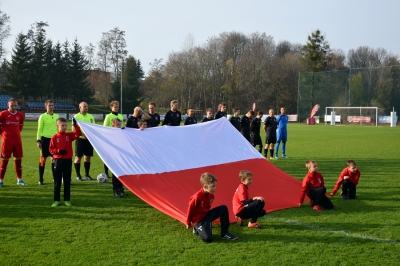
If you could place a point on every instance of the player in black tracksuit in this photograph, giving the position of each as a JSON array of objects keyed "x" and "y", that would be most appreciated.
[
  {"x": 190, "y": 120},
  {"x": 245, "y": 125},
  {"x": 255, "y": 131},
  {"x": 270, "y": 126},
  {"x": 209, "y": 116},
  {"x": 138, "y": 113},
  {"x": 221, "y": 112},
  {"x": 154, "y": 120},
  {"x": 235, "y": 119},
  {"x": 173, "y": 117}
]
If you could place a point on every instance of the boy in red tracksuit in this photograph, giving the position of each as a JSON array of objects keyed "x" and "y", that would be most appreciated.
[
  {"x": 313, "y": 186},
  {"x": 348, "y": 179},
  {"x": 245, "y": 207},
  {"x": 61, "y": 148},
  {"x": 200, "y": 215}
]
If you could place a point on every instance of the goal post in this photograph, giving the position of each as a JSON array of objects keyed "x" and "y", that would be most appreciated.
[{"x": 352, "y": 115}]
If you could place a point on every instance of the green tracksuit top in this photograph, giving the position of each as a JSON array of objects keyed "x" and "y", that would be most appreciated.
[
  {"x": 111, "y": 116},
  {"x": 47, "y": 126},
  {"x": 88, "y": 118}
]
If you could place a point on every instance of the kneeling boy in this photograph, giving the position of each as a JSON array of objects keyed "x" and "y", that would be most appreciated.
[
  {"x": 348, "y": 179},
  {"x": 245, "y": 207},
  {"x": 200, "y": 215},
  {"x": 314, "y": 187}
]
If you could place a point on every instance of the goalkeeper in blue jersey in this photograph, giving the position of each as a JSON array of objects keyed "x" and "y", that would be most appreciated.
[{"x": 281, "y": 133}]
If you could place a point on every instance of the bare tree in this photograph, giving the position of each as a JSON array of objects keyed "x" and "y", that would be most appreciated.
[
  {"x": 4, "y": 32},
  {"x": 89, "y": 54},
  {"x": 118, "y": 51},
  {"x": 104, "y": 52}
]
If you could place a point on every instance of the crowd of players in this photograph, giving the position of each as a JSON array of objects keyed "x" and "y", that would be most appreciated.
[
  {"x": 12, "y": 122},
  {"x": 53, "y": 141}
]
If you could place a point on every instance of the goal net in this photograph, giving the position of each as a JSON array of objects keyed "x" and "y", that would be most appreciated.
[{"x": 352, "y": 115}]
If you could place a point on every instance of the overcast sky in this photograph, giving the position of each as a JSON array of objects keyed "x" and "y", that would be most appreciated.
[{"x": 156, "y": 28}]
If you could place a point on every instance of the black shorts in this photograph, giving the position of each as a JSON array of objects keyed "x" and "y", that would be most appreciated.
[
  {"x": 83, "y": 147},
  {"x": 44, "y": 151},
  {"x": 256, "y": 139},
  {"x": 271, "y": 138}
]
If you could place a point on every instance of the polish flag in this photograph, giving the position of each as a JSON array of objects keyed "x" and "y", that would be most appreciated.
[{"x": 163, "y": 165}]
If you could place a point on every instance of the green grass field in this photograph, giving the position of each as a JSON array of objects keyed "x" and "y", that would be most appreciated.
[{"x": 102, "y": 230}]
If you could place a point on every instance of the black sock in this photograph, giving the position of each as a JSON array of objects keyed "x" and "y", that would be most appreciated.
[
  {"x": 41, "y": 172},
  {"x": 265, "y": 152},
  {"x": 87, "y": 168},
  {"x": 271, "y": 152},
  {"x": 77, "y": 169}
]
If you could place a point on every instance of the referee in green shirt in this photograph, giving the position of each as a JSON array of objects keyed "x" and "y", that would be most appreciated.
[
  {"x": 114, "y": 106},
  {"x": 47, "y": 127},
  {"x": 82, "y": 144}
]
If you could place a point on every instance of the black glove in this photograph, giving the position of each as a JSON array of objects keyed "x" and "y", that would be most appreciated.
[
  {"x": 62, "y": 152},
  {"x": 73, "y": 121}
]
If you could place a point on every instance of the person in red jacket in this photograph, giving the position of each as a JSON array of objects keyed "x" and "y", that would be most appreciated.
[
  {"x": 348, "y": 179},
  {"x": 245, "y": 207},
  {"x": 200, "y": 215},
  {"x": 11, "y": 125},
  {"x": 313, "y": 186},
  {"x": 61, "y": 148}
]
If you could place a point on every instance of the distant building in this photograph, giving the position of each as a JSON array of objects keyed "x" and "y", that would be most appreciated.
[{"x": 101, "y": 82}]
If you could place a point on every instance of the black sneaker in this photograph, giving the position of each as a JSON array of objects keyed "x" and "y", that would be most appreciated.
[
  {"x": 40, "y": 183},
  {"x": 78, "y": 178},
  {"x": 228, "y": 236},
  {"x": 122, "y": 192},
  {"x": 88, "y": 177}
]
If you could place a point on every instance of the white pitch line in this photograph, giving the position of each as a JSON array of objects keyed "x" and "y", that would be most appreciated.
[{"x": 314, "y": 227}]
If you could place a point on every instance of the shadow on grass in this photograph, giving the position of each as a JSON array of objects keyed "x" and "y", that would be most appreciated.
[{"x": 89, "y": 202}]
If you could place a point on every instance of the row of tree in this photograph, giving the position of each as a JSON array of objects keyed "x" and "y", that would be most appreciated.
[
  {"x": 244, "y": 69},
  {"x": 40, "y": 68}
]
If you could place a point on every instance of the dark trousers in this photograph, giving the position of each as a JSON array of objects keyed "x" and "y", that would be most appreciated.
[
  {"x": 252, "y": 210},
  {"x": 62, "y": 172},
  {"x": 247, "y": 136},
  {"x": 117, "y": 185},
  {"x": 203, "y": 228},
  {"x": 349, "y": 189},
  {"x": 318, "y": 196}
]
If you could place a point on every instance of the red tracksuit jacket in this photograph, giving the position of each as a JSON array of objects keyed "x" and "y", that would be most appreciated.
[
  {"x": 199, "y": 205},
  {"x": 63, "y": 141},
  {"x": 311, "y": 180},
  {"x": 353, "y": 178},
  {"x": 241, "y": 194}
]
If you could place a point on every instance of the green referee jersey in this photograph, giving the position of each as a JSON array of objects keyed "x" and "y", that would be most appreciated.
[
  {"x": 111, "y": 116},
  {"x": 88, "y": 118},
  {"x": 47, "y": 126}
]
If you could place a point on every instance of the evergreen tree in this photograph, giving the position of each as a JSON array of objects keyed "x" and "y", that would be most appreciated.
[
  {"x": 48, "y": 77},
  {"x": 80, "y": 86},
  {"x": 66, "y": 75},
  {"x": 38, "y": 69},
  {"x": 315, "y": 58},
  {"x": 315, "y": 52},
  {"x": 58, "y": 86},
  {"x": 19, "y": 74},
  {"x": 132, "y": 80}
]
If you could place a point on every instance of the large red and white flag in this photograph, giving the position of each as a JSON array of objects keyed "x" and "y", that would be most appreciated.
[{"x": 162, "y": 165}]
